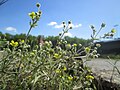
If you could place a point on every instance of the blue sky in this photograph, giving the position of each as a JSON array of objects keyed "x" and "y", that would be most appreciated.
[{"x": 14, "y": 17}]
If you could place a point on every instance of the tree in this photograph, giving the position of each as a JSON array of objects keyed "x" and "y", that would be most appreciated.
[{"x": 2, "y": 2}]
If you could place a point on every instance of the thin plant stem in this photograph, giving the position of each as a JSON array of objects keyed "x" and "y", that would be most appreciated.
[
  {"x": 28, "y": 34},
  {"x": 98, "y": 32}
]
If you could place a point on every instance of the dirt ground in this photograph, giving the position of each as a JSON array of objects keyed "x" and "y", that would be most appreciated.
[{"x": 103, "y": 68}]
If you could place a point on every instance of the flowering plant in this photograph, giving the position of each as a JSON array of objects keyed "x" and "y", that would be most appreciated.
[{"x": 45, "y": 67}]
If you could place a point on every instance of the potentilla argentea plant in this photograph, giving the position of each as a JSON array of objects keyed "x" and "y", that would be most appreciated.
[{"x": 46, "y": 67}]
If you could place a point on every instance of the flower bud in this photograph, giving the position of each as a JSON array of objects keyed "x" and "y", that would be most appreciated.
[
  {"x": 63, "y": 22},
  {"x": 74, "y": 45},
  {"x": 103, "y": 25},
  {"x": 80, "y": 45},
  {"x": 68, "y": 46},
  {"x": 56, "y": 56},
  {"x": 89, "y": 77},
  {"x": 40, "y": 12},
  {"x": 96, "y": 56},
  {"x": 38, "y": 4},
  {"x": 64, "y": 26},
  {"x": 98, "y": 45},
  {"x": 69, "y": 22},
  {"x": 112, "y": 34},
  {"x": 92, "y": 27},
  {"x": 60, "y": 34},
  {"x": 70, "y": 27}
]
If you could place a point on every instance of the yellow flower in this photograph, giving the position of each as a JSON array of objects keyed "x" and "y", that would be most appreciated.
[
  {"x": 22, "y": 41},
  {"x": 58, "y": 71},
  {"x": 19, "y": 65},
  {"x": 87, "y": 49},
  {"x": 64, "y": 68},
  {"x": 89, "y": 77},
  {"x": 68, "y": 46},
  {"x": 75, "y": 45},
  {"x": 113, "y": 31},
  {"x": 70, "y": 78},
  {"x": 14, "y": 44},
  {"x": 56, "y": 56},
  {"x": 32, "y": 15}
]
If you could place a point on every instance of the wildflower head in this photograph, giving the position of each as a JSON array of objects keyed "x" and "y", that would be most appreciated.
[
  {"x": 58, "y": 71},
  {"x": 68, "y": 46},
  {"x": 74, "y": 45},
  {"x": 64, "y": 68},
  {"x": 56, "y": 56},
  {"x": 14, "y": 44},
  {"x": 22, "y": 41},
  {"x": 89, "y": 77},
  {"x": 87, "y": 49},
  {"x": 70, "y": 78},
  {"x": 113, "y": 31},
  {"x": 48, "y": 43},
  {"x": 32, "y": 15}
]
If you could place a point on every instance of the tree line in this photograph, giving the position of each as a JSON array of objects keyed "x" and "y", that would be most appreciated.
[{"x": 33, "y": 40}]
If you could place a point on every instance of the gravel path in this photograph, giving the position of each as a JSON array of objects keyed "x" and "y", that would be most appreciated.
[{"x": 103, "y": 68}]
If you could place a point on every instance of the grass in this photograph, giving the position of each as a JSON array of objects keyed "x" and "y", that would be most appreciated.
[{"x": 1, "y": 54}]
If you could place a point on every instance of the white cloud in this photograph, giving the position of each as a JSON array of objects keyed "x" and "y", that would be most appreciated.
[
  {"x": 76, "y": 25},
  {"x": 11, "y": 29},
  {"x": 55, "y": 25},
  {"x": 52, "y": 23},
  {"x": 68, "y": 34},
  {"x": 58, "y": 26}
]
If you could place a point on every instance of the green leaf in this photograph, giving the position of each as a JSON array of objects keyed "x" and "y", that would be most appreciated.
[{"x": 36, "y": 79}]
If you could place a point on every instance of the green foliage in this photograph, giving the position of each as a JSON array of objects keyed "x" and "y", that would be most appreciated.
[
  {"x": 43, "y": 68},
  {"x": 70, "y": 40},
  {"x": 33, "y": 40},
  {"x": 53, "y": 39},
  {"x": 46, "y": 68}
]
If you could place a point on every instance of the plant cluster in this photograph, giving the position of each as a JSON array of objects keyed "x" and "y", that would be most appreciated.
[{"x": 44, "y": 67}]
